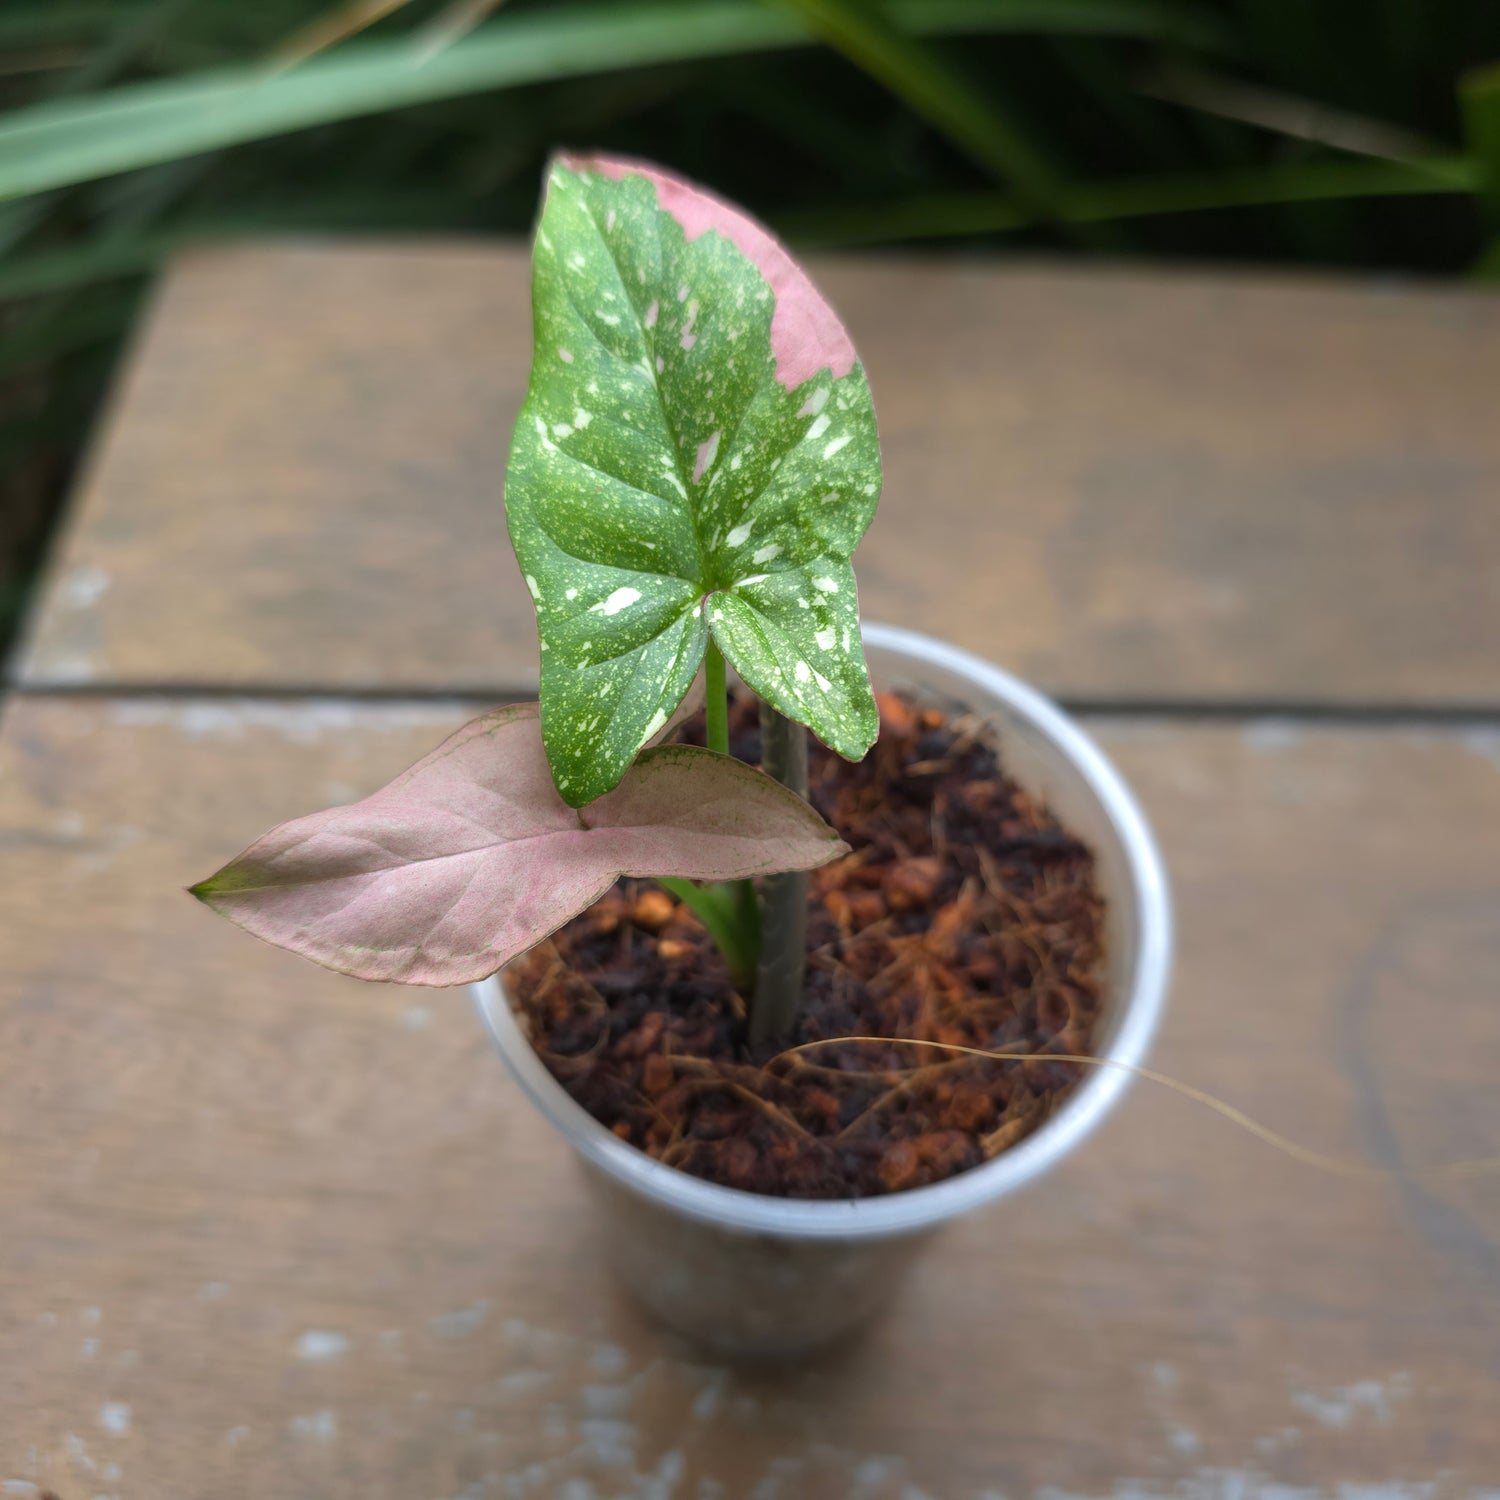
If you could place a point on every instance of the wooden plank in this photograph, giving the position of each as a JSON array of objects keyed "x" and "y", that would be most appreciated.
[
  {"x": 1126, "y": 486},
  {"x": 270, "y": 1232}
]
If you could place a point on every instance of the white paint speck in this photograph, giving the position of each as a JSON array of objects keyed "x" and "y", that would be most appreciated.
[
  {"x": 651, "y": 313},
  {"x": 814, "y": 403},
  {"x": 766, "y": 553},
  {"x": 581, "y": 418},
  {"x": 739, "y": 536},
  {"x": 825, "y": 585},
  {"x": 320, "y": 1426},
  {"x": 609, "y": 1442},
  {"x": 824, "y": 639},
  {"x": 605, "y": 1400},
  {"x": 1484, "y": 743},
  {"x": 523, "y": 1382},
  {"x": 83, "y": 588},
  {"x": 1183, "y": 1440},
  {"x": 114, "y": 1417},
  {"x": 319, "y": 1345},
  {"x": 802, "y": 672},
  {"x": 661, "y": 1484},
  {"x": 1338, "y": 1406},
  {"x": 622, "y": 598},
  {"x": 819, "y": 427},
  {"x": 709, "y": 1400},
  {"x": 1270, "y": 735},
  {"x": 70, "y": 666},
  {"x": 565, "y": 355},
  {"x": 609, "y": 1359},
  {"x": 461, "y": 1323},
  {"x": 740, "y": 583}
]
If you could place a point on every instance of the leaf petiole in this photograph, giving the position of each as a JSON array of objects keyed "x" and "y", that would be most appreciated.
[
  {"x": 716, "y": 699},
  {"x": 730, "y": 913}
]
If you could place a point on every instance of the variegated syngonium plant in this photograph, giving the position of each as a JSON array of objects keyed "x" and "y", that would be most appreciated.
[{"x": 695, "y": 462}]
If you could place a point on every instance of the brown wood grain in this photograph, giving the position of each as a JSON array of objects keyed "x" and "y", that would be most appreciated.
[
  {"x": 1125, "y": 486},
  {"x": 310, "y": 1237}
]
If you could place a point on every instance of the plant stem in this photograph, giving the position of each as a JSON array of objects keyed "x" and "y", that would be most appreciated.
[
  {"x": 728, "y": 909},
  {"x": 783, "y": 947},
  {"x": 722, "y": 910},
  {"x": 715, "y": 700}
]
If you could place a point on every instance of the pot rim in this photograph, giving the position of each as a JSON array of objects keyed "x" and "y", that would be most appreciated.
[{"x": 914, "y": 1209}]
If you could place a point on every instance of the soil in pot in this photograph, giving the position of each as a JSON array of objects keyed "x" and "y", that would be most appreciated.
[{"x": 964, "y": 914}]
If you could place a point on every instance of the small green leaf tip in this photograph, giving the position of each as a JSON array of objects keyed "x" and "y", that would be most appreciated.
[{"x": 696, "y": 454}]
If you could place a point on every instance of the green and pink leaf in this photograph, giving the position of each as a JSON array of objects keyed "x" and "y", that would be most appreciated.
[
  {"x": 697, "y": 453},
  {"x": 470, "y": 857}
]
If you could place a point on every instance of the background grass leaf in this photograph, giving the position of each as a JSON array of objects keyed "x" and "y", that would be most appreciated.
[{"x": 1204, "y": 130}]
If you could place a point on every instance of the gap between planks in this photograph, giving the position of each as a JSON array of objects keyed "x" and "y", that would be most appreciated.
[{"x": 1228, "y": 710}]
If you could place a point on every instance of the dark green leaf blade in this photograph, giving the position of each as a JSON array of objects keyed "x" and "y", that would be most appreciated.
[
  {"x": 697, "y": 435},
  {"x": 794, "y": 638},
  {"x": 788, "y": 615}
]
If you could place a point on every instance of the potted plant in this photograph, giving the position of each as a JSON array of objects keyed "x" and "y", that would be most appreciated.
[{"x": 693, "y": 466}]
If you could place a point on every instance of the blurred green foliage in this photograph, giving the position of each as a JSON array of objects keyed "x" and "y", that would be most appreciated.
[{"x": 1332, "y": 133}]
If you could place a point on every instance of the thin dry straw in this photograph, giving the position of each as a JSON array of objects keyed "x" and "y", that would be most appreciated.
[{"x": 1360, "y": 1171}]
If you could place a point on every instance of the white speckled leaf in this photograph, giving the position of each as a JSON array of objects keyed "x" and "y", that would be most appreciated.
[
  {"x": 697, "y": 451},
  {"x": 471, "y": 857}
]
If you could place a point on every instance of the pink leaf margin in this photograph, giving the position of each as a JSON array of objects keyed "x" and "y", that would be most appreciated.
[
  {"x": 470, "y": 857},
  {"x": 806, "y": 333}
]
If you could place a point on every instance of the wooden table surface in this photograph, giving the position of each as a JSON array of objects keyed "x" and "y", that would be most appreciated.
[{"x": 267, "y": 1232}]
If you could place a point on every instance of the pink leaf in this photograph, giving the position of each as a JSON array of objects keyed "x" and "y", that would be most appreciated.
[
  {"x": 806, "y": 334},
  {"x": 471, "y": 857}
]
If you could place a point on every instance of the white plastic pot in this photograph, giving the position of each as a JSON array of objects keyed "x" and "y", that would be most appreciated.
[{"x": 749, "y": 1276}]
